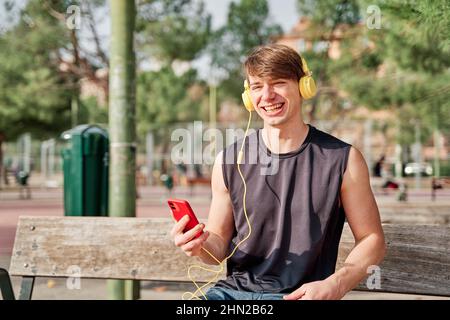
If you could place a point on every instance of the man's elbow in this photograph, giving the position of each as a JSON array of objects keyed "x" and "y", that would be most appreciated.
[
  {"x": 378, "y": 246},
  {"x": 381, "y": 248}
]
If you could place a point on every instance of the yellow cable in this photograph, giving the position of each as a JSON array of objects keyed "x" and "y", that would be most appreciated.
[{"x": 193, "y": 295}]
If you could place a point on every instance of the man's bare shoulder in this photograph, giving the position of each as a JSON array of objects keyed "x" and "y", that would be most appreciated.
[
  {"x": 217, "y": 180},
  {"x": 357, "y": 172}
]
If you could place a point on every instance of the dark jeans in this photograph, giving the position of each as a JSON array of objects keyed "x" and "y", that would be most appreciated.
[{"x": 219, "y": 293}]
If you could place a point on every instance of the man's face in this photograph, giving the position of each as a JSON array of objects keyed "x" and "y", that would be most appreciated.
[{"x": 275, "y": 100}]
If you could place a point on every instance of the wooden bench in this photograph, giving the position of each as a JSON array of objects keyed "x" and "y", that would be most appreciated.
[{"x": 417, "y": 260}]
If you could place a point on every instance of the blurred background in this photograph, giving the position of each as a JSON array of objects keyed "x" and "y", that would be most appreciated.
[{"x": 382, "y": 69}]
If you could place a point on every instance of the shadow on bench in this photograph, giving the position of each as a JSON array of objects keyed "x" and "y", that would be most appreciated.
[{"x": 417, "y": 260}]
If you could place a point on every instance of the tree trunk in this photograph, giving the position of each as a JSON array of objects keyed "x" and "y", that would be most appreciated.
[{"x": 122, "y": 124}]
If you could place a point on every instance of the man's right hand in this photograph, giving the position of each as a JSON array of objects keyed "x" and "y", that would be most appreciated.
[{"x": 186, "y": 240}]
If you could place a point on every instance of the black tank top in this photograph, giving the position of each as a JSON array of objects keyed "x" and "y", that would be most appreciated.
[{"x": 294, "y": 208}]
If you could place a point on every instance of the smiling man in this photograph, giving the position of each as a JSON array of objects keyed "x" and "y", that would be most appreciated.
[{"x": 297, "y": 211}]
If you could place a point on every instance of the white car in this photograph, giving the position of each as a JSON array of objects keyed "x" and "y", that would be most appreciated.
[{"x": 424, "y": 168}]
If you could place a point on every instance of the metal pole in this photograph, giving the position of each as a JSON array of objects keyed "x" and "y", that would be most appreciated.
[
  {"x": 213, "y": 113},
  {"x": 51, "y": 158},
  {"x": 436, "y": 142},
  {"x": 437, "y": 151},
  {"x": 150, "y": 144},
  {"x": 26, "y": 152},
  {"x": 122, "y": 122},
  {"x": 418, "y": 155},
  {"x": 44, "y": 160},
  {"x": 212, "y": 105},
  {"x": 74, "y": 111}
]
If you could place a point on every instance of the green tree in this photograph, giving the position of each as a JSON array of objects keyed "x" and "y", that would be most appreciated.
[
  {"x": 171, "y": 30},
  {"x": 330, "y": 21},
  {"x": 413, "y": 49},
  {"x": 35, "y": 97},
  {"x": 402, "y": 66},
  {"x": 41, "y": 62},
  {"x": 248, "y": 25},
  {"x": 163, "y": 98}
]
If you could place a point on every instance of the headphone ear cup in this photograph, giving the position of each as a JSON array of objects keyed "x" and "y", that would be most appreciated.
[
  {"x": 247, "y": 101},
  {"x": 307, "y": 87}
]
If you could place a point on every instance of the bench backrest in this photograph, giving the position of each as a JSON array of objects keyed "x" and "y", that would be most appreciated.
[{"x": 417, "y": 260}]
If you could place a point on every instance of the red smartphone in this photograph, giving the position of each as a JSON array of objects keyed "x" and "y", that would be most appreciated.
[{"x": 179, "y": 209}]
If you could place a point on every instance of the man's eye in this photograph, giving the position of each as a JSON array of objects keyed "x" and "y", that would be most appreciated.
[{"x": 255, "y": 87}]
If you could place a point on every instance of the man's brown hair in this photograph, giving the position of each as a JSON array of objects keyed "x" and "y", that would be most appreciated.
[{"x": 274, "y": 61}]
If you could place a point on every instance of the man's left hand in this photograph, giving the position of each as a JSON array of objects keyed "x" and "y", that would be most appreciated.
[{"x": 318, "y": 290}]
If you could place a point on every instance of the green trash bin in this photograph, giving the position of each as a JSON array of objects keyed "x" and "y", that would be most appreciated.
[{"x": 85, "y": 167}]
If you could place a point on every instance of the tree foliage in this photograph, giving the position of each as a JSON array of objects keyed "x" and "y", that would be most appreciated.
[
  {"x": 171, "y": 30},
  {"x": 415, "y": 56},
  {"x": 35, "y": 97},
  {"x": 248, "y": 25},
  {"x": 329, "y": 21},
  {"x": 164, "y": 98}
]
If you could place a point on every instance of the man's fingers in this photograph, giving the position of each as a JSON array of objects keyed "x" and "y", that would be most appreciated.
[
  {"x": 297, "y": 294},
  {"x": 183, "y": 238},
  {"x": 191, "y": 245},
  {"x": 189, "y": 235},
  {"x": 179, "y": 226}
]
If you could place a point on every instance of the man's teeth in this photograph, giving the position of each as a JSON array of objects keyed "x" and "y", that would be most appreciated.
[{"x": 273, "y": 107}]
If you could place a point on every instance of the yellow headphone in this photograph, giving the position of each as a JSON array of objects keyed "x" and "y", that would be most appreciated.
[{"x": 306, "y": 85}]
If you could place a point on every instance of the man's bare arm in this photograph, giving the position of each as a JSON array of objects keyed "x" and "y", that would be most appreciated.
[
  {"x": 364, "y": 220},
  {"x": 219, "y": 228},
  {"x": 220, "y": 223}
]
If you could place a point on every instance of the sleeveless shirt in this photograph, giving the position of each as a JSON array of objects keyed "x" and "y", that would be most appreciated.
[{"x": 294, "y": 208}]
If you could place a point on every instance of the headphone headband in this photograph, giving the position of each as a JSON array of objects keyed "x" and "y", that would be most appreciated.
[
  {"x": 246, "y": 86},
  {"x": 305, "y": 68}
]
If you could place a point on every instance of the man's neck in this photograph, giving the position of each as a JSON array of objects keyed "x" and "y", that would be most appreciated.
[{"x": 286, "y": 138}]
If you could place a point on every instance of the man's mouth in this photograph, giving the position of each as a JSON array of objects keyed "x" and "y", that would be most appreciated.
[{"x": 272, "y": 108}]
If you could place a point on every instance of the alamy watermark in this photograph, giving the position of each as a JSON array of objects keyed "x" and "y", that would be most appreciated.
[
  {"x": 373, "y": 18},
  {"x": 73, "y": 17},
  {"x": 198, "y": 146},
  {"x": 74, "y": 281},
  {"x": 374, "y": 280}
]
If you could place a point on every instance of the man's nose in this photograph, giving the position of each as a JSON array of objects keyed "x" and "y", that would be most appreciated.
[{"x": 267, "y": 92}]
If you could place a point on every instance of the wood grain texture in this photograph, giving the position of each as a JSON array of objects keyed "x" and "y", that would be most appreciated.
[
  {"x": 99, "y": 247},
  {"x": 417, "y": 260}
]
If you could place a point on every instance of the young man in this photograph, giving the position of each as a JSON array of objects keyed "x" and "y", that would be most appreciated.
[{"x": 297, "y": 211}]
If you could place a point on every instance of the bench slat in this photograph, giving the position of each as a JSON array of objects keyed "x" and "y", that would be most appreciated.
[
  {"x": 97, "y": 247},
  {"x": 417, "y": 259}
]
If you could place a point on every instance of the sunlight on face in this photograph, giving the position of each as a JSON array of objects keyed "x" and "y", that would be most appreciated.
[{"x": 276, "y": 101}]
